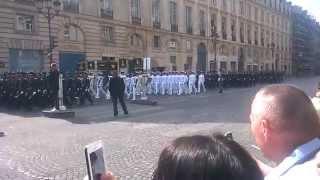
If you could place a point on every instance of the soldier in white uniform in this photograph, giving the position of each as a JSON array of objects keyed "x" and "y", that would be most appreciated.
[
  {"x": 133, "y": 84},
  {"x": 192, "y": 83},
  {"x": 170, "y": 83},
  {"x": 163, "y": 80},
  {"x": 157, "y": 85},
  {"x": 99, "y": 86},
  {"x": 92, "y": 79},
  {"x": 201, "y": 83}
]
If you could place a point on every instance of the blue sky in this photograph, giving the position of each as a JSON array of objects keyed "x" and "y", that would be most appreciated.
[{"x": 312, "y": 6}]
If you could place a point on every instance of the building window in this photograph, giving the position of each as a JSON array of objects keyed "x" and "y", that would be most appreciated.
[
  {"x": 71, "y": 6},
  {"x": 214, "y": 2},
  {"x": 173, "y": 62},
  {"x": 249, "y": 11},
  {"x": 188, "y": 65},
  {"x": 272, "y": 20},
  {"x": 267, "y": 38},
  {"x": 156, "y": 14},
  {"x": 256, "y": 13},
  {"x": 188, "y": 45},
  {"x": 223, "y": 66},
  {"x": 233, "y": 66},
  {"x": 189, "y": 19},
  {"x": 108, "y": 34},
  {"x": 262, "y": 16},
  {"x": 249, "y": 34},
  {"x": 224, "y": 5},
  {"x": 256, "y": 36},
  {"x": 224, "y": 27},
  {"x": 233, "y": 30},
  {"x": 24, "y": 23},
  {"x": 262, "y": 37},
  {"x": 242, "y": 32},
  {"x": 172, "y": 44},
  {"x": 136, "y": 40},
  {"x": 214, "y": 21},
  {"x": 234, "y": 6},
  {"x": 72, "y": 33},
  {"x": 135, "y": 12},
  {"x": 202, "y": 24},
  {"x": 106, "y": 8},
  {"x": 156, "y": 41},
  {"x": 242, "y": 8},
  {"x": 173, "y": 16}
]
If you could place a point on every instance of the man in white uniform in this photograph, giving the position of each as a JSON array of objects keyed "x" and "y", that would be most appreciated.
[
  {"x": 163, "y": 82},
  {"x": 99, "y": 86},
  {"x": 192, "y": 83},
  {"x": 201, "y": 83}
]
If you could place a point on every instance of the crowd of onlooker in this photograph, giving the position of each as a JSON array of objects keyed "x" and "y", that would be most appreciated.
[{"x": 286, "y": 128}]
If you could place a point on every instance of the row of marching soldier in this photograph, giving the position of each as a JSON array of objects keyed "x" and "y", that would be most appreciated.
[{"x": 28, "y": 90}]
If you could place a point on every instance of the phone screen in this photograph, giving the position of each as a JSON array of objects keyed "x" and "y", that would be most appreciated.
[{"x": 95, "y": 161}]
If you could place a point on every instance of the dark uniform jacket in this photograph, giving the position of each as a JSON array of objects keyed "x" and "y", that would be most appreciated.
[
  {"x": 53, "y": 80},
  {"x": 116, "y": 87}
]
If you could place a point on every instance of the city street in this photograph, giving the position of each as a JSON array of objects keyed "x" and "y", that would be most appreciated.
[{"x": 36, "y": 147}]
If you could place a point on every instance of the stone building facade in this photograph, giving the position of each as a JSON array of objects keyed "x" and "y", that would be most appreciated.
[{"x": 252, "y": 35}]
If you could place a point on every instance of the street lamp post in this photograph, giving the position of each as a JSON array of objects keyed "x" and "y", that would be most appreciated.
[
  {"x": 214, "y": 36},
  {"x": 50, "y": 9}
]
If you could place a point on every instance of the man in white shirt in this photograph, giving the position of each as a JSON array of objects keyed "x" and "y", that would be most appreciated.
[
  {"x": 192, "y": 83},
  {"x": 201, "y": 83},
  {"x": 287, "y": 129}
]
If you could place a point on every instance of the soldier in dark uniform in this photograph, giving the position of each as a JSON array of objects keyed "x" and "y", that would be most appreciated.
[
  {"x": 116, "y": 89},
  {"x": 220, "y": 81},
  {"x": 53, "y": 84}
]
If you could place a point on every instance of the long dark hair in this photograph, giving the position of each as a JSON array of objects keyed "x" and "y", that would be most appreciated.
[{"x": 206, "y": 158}]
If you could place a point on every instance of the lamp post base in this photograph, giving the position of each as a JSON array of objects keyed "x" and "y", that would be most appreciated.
[{"x": 59, "y": 114}]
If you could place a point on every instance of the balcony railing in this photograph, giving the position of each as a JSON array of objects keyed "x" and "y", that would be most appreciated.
[
  {"x": 174, "y": 27},
  {"x": 106, "y": 13},
  {"x": 156, "y": 25},
  {"x": 136, "y": 20}
]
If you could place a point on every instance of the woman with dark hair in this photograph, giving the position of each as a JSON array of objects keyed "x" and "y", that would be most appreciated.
[
  {"x": 201, "y": 157},
  {"x": 206, "y": 158}
]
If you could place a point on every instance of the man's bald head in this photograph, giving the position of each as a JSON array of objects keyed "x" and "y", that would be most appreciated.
[{"x": 286, "y": 107}]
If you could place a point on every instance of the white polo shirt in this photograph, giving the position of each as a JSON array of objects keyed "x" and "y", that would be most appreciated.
[{"x": 302, "y": 164}]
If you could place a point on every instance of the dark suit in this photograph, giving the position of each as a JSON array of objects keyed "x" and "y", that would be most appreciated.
[
  {"x": 116, "y": 89},
  {"x": 53, "y": 83}
]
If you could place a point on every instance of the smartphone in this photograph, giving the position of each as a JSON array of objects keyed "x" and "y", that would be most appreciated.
[{"x": 95, "y": 160}]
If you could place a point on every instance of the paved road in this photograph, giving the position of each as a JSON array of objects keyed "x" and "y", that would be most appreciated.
[{"x": 40, "y": 148}]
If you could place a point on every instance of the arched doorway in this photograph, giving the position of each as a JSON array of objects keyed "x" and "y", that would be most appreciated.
[{"x": 202, "y": 58}]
